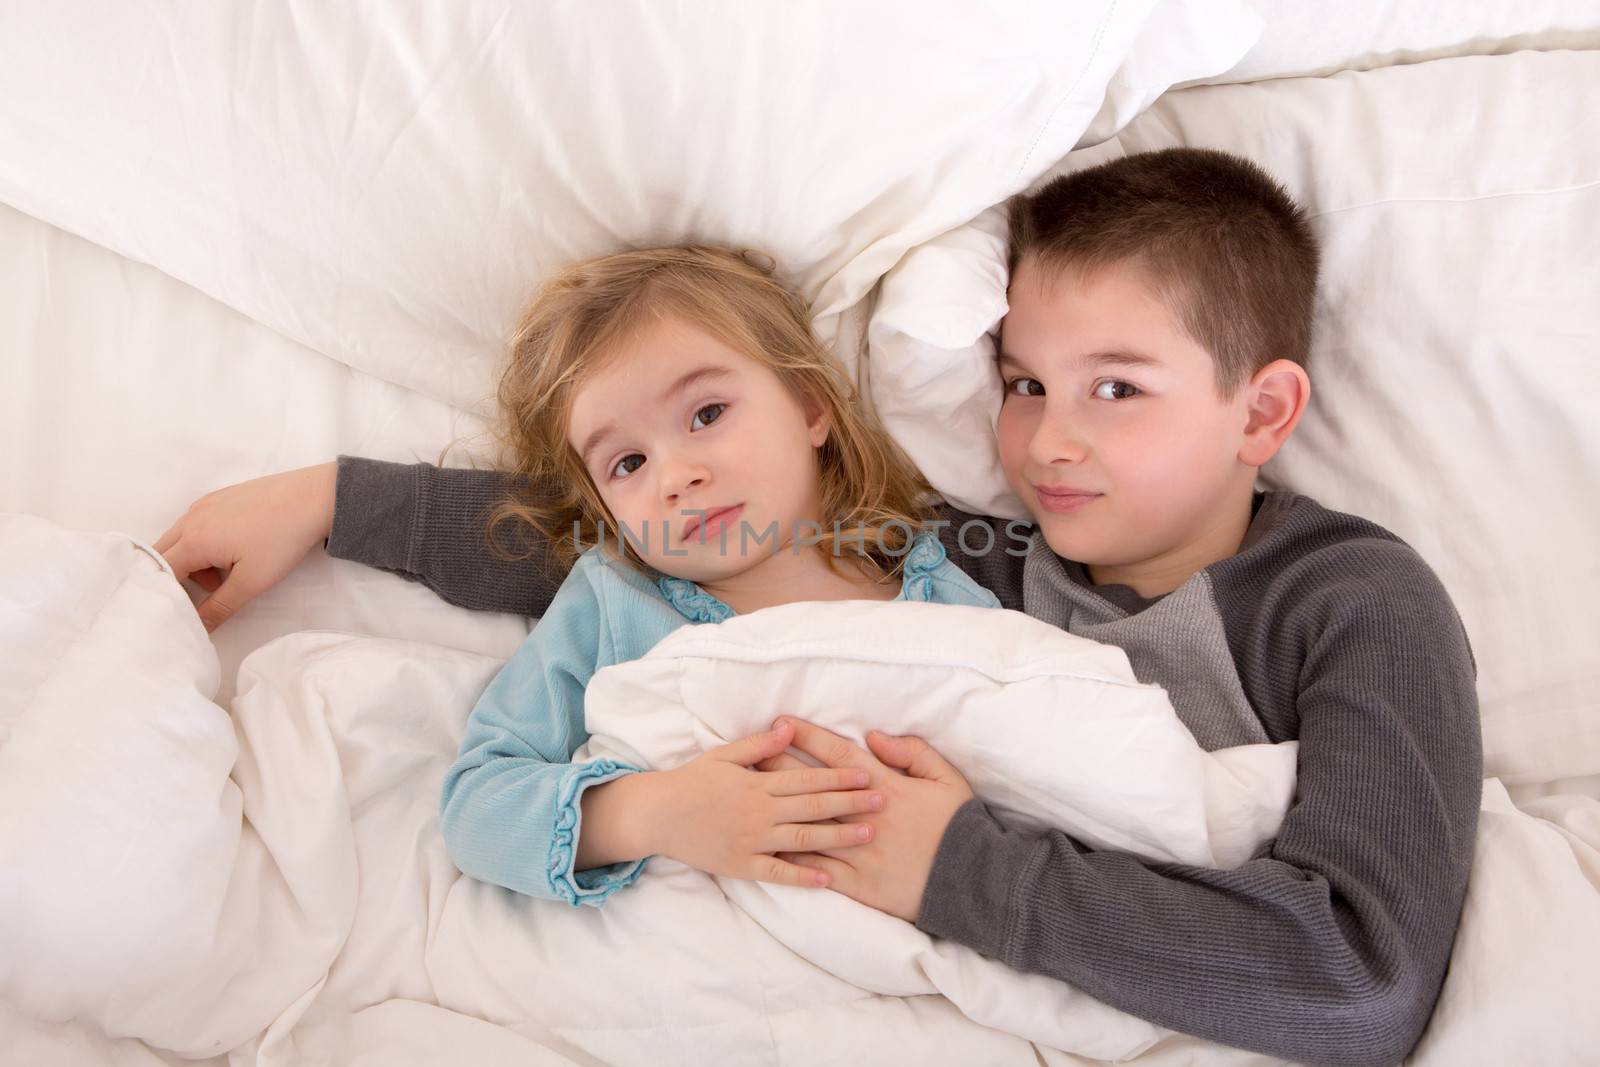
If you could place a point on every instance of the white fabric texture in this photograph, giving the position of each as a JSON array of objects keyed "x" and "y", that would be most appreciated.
[
  {"x": 125, "y": 395},
  {"x": 388, "y": 184},
  {"x": 142, "y": 888},
  {"x": 218, "y": 916},
  {"x": 1308, "y": 37},
  {"x": 1052, "y": 730},
  {"x": 305, "y": 906},
  {"x": 278, "y": 161},
  {"x": 1449, "y": 374}
]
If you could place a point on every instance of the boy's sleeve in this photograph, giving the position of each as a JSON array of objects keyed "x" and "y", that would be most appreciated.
[
  {"x": 1331, "y": 946},
  {"x": 511, "y": 810},
  {"x": 430, "y": 524}
]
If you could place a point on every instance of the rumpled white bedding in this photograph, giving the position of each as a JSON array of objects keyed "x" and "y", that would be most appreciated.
[
  {"x": 272, "y": 910},
  {"x": 180, "y": 885},
  {"x": 1454, "y": 404}
]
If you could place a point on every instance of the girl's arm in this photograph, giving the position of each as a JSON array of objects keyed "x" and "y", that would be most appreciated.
[{"x": 513, "y": 804}]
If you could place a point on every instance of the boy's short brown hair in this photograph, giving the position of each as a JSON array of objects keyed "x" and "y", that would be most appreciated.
[{"x": 1231, "y": 252}]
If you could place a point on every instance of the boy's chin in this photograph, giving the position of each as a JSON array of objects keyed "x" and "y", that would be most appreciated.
[{"x": 1070, "y": 543}]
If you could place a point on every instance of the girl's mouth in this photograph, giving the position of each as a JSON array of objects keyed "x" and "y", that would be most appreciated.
[{"x": 712, "y": 523}]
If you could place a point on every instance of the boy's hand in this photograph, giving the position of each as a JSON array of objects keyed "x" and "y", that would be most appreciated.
[
  {"x": 241, "y": 540},
  {"x": 716, "y": 814},
  {"x": 891, "y": 871}
]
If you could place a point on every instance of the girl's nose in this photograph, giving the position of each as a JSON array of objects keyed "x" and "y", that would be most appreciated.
[{"x": 679, "y": 478}]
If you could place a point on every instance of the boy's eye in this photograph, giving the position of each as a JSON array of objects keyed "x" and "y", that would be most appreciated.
[
  {"x": 627, "y": 465},
  {"x": 706, "y": 416},
  {"x": 1115, "y": 390},
  {"x": 1025, "y": 387}
]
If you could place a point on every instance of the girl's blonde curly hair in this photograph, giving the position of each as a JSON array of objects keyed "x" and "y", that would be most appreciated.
[{"x": 873, "y": 498}]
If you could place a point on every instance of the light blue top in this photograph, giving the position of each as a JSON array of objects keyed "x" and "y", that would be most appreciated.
[{"x": 510, "y": 809}]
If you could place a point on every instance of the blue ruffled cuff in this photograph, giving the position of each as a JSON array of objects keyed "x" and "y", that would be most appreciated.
[
  {"x": 594, "y": 886},
  {"x": 922, "y": 562},
  {"x": 692, "y": 602}
]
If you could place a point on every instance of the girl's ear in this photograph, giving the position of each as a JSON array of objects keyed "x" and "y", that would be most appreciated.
[
  {"x": 1275, "y": 398},
  {"x": 818, "y": 422}
]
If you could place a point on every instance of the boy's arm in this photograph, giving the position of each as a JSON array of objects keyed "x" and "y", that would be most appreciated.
[
  {"x": 1332, "y": 946},
  {"x": 429, "y": 524},
  {"x": 510, "y": 803}
]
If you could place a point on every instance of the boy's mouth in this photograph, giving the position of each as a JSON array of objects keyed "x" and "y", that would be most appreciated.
[
  {"x": 1064, "y": 499},
  {"x": 712, "y": 522}
]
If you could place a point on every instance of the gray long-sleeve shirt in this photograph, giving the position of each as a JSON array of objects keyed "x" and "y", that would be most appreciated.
[{"x": 1331, "y": 945}]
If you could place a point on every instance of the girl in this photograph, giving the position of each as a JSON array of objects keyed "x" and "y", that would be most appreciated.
[{"x": 703, "y": 441}]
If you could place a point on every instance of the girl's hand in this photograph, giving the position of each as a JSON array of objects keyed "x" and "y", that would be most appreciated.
[
  {"x": 716, "y": 814},
  {"x": 923, "y": 792},
  {"x": 241, "y": 540}
]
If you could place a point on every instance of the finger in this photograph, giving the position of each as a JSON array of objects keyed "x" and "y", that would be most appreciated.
[
  {"x": 781, "y": 762},
  {"x": 167, "y": 540},
  {"x": 782, "y": 872},
  {"x": 186, "y": 557},
  {"x": 815, "y": 806},
  {"x": 209, "y": 579},
  {"x": 827, "y": 747},
  {"x": 805, "y": 779},
  {"x": 815, "y": 837},
  {"x": 234, "y": 593},
  {"x": 911, "y": 754},
  {"x": 840, "y": 874},
  {"x": 748, "y": 751}
]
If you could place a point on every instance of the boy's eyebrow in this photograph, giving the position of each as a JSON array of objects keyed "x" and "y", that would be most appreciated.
[
  {"x": 1116, "y": 357},
  {"x": 685, "y": 381},
  {"x": 1119, "y": 357}
]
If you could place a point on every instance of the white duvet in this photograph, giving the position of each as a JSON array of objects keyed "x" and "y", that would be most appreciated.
[{"x": 276, "y": 884}]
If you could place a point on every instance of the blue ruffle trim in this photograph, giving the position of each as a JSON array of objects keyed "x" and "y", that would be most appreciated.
[
  {"x": 692, "y": 602},
  {"x": 601, "y": 882},
  {"x": 922, "y": 561}
]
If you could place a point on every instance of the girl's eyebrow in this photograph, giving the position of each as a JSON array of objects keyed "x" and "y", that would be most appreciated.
[
  {"x": 685, "y": 381},
  {"x": 709, "y": 372}
]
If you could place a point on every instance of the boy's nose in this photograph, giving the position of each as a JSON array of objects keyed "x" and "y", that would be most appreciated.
[{"x": 1054, "y": 441}]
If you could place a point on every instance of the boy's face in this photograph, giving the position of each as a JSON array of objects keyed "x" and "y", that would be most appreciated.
[{"x": 1112, "y": 430}]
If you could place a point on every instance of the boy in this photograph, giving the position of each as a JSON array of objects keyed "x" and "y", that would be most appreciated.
[{"x": 1160, "y": 314}]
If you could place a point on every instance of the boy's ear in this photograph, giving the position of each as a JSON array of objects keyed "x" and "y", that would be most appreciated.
[{"x": 1275, "y": 398}]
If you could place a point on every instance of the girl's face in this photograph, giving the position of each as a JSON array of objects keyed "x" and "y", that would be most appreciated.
[{"x": 702, "y": 454}]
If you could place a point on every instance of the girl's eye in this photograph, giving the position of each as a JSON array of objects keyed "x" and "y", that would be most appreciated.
[
  {"x": 627, "y": 465},
  {"x": 1115, "y": 390},
  {"x": 706, "y": 416},
  {"x": 1025, "y": 387}
]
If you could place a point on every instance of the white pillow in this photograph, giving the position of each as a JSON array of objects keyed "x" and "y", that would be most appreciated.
[
  {"x": 1309, "y": 37},
  {"x": 1455, "y": 386},
  {"x": 1052, "y": 730},
  {"x": 387, "y": 184}
]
